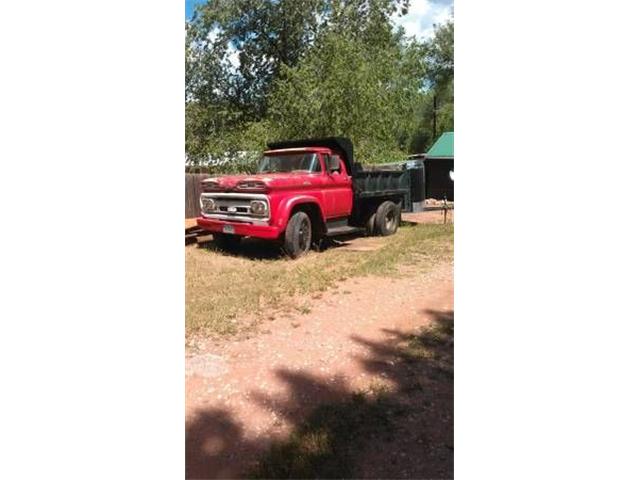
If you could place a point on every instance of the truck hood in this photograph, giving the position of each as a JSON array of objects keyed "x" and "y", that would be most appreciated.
[{"x": 273, "y": 181}]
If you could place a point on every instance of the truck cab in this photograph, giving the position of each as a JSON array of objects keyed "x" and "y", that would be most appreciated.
[{"x": 303, "y": 190}]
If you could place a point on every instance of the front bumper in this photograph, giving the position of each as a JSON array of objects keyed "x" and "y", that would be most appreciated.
[{"x": 240, "y": 228}]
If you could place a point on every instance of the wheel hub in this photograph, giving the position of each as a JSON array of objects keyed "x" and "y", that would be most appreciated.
[{"x": 304, "y": 234}]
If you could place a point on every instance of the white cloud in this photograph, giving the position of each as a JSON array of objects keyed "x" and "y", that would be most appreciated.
[{"x": 422, "y": 15}]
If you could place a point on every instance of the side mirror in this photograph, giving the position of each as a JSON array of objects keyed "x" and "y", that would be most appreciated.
[{"x": 334, "y": 164}]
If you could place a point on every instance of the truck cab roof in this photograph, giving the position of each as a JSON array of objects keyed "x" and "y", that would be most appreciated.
[
  {"x": 340, "y": 144},
  {"x": 297, "y": 150}
]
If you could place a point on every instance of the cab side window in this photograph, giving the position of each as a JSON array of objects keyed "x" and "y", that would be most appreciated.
[
  {"x": 333, "y": 161},
  {"x": 340, "y": 169}
]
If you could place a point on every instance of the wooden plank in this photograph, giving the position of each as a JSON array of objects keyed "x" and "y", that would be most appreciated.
[
  {"x": 204, "y": 238},
  {"x": 187, "y": 195}
]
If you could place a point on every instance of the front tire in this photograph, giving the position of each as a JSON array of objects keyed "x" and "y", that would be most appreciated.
[
  {"x": 387, "y": 218},
  {"x": 298, "y": 235}
]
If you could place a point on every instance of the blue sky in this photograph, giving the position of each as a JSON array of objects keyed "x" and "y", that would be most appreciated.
[
  {"x": 189, "y": 6},
  {"x": 419, "y": 21}
]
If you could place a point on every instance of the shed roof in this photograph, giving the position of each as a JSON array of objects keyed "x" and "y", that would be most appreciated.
[{"x": 443, "y": 148}]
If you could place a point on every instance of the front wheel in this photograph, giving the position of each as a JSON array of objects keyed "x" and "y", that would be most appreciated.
[
  {"x": 387, "y": 218},
  {"x": 297, "y": 236}
]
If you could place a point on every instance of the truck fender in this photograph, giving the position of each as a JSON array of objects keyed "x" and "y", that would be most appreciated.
[{"x": 297, "y": 200}]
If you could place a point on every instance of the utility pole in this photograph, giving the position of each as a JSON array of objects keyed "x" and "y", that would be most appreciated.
[{"x": 433, "y": 138}]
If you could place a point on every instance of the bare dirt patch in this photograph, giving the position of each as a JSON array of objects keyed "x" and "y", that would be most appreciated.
[
  {"x": 433, "y": 217},
  {"x": 190, "y": 222},
  {"x": 361, "y": 244},
  {"x": 205, "y": 365}
]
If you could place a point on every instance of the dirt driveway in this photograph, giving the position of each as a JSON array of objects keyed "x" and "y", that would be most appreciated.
[{"x": 330, "y": 391}]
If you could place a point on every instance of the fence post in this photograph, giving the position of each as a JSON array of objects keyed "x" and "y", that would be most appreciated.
[{"x": 192, "y": 193}]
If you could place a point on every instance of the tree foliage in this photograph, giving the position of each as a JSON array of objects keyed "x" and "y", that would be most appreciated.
[
  {"x": 363, "y": 87},
  {"x": 435, "y": 112},
  {"x": 265, "y": 69}
]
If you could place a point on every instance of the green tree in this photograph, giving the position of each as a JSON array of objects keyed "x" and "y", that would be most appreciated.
[
  {"x": 264, "y": 69},
  {"x": 359, "y": 80},
  {"x": 436, "y": 110},
  {"x": 235, "y": 48}
]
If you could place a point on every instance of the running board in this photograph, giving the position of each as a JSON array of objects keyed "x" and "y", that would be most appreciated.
[{"x": 343, "y": 230}]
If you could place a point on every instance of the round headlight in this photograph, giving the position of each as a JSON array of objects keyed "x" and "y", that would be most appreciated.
[
  {"x": 258, "y": 207},
  {"x": 208, "y": 204}
]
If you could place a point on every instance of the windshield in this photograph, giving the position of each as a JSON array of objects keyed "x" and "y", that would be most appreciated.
[{"x": 290, "y": 163}]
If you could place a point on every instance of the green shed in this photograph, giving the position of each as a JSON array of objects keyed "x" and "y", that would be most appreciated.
[
  {"x": 438, "y": 163},
  {"x": 443, "y": 147}
]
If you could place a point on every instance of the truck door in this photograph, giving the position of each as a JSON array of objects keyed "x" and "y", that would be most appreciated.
[{"x": 338, "y": 191}]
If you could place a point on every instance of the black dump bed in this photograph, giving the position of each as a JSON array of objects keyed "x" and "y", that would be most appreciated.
[{"x": 382, "y": 182}]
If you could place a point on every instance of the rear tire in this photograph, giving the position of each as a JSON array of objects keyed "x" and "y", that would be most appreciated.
[
  {"x": 370, "y": 224},
  {"x": 298, "y": 235},
  {"x": 387, "y": 218}
]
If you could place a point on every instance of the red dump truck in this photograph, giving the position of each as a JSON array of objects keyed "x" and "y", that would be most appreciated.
[{"x": 304, "y": 191}]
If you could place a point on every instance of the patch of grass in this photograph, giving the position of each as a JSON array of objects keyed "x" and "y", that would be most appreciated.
[
  {"x": 326, "y": 444},
  {"x": 222, "y": 288},
  {"x": 433, "y": 343}
]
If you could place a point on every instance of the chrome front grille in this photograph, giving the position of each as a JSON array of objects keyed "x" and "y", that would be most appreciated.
[
  {"x": 235, "y": 206},
  {"x": 232, "y": 206}
]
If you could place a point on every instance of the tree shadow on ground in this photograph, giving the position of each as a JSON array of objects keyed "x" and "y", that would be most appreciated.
[
  {"x": 250, "y": 248},
  {"x": 259, "y": 249},
  {"x": 399, "y": 427}
]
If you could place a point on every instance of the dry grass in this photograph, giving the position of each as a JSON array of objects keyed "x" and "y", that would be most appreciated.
[{"x": 223, "y": 290}]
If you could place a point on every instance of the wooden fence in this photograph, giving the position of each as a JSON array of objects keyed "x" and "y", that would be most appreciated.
[{"x": 192, "y": 191}]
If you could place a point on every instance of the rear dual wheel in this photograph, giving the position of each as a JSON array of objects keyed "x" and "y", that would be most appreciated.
[
  {"x": 387, "y": 218},
  {"x": 370, "y": 224}
]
